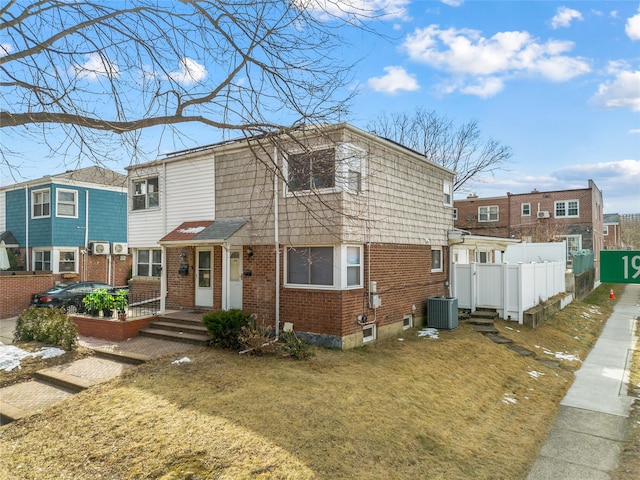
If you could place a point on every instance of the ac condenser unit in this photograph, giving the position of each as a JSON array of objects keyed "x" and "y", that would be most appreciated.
[
  {"x": 543, "y": 214},
  {"x": 99, "y": 248},
  {"x": 442, "y": 312},
  {"x": 120, "y": 248}
]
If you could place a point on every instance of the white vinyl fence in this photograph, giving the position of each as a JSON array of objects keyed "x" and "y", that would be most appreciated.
[{"x": 508, "y": 288}]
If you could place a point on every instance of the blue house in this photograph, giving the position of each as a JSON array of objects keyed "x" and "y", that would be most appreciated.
[{"x": 70, "y": 224}]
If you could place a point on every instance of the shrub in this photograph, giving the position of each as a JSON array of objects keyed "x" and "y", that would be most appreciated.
[
  {"x": 224, "y": 327},
  {"x": 46, "y": 325},
  {"x": 292, "y": 346},
  {"x": 257, "y": 339}
]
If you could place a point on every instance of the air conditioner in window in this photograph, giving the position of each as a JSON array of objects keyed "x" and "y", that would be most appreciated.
[
  {"x": 120, "y": 248},
  {"x": 99, "y": 248},
  {"x": 543, "y": 214}
]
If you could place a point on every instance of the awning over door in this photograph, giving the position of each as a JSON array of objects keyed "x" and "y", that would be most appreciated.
[{"x": 204, "y": 231}]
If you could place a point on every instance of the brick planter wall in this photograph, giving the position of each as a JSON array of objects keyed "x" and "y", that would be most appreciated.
[{"x": 110, "y": 329}]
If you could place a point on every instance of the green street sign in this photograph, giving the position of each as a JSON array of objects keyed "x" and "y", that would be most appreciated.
[{"x": 619, "y": 266}]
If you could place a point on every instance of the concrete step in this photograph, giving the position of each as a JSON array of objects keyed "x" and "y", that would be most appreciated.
[
  {"x": 480, "y": 321},
  {"x": 491, "y": 314},
  {"x": 122, "y": 356},
  {"x": 180, "y": 326},
  {"x": 59, "y": 379},
  {"x": 485, "y": 329},
  {"x": 196, "y": 339},
  {"x": 498, "y": 339},
  {"x": 10, "y": 413}
]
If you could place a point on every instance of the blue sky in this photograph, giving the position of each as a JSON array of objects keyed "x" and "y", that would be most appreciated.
[{"x": 559, "y": 82}]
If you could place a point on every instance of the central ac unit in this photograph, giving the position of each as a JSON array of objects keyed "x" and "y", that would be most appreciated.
[
  {"x": 120, "y": 248},
  {"x": 99, "y": 248},
  {"x": 543, "y": 214}
]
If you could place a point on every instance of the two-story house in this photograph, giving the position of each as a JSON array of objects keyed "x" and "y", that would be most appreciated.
[
  {"x": 72, "y": 224},
  {"x": 572, "y": 215},
  {"x": 612, "y": 230},
  {"x": 334, "y": 232}
]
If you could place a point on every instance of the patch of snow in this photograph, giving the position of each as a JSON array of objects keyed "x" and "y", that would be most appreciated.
[
  {"x": 191, "y": 230},
  {"x": 563, "y": 355},
  {"x": 534, "y": 374},
  {"x": 11, "y": 356},
  {"x": 431, "y": 333},
  {"x": 508, "y": 399},
  {"x": 182, "y": 360},
  {"x": 401, "y": 339}
]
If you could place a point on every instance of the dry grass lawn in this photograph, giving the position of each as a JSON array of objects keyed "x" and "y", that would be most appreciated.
[{"x": 457, "y": 407}]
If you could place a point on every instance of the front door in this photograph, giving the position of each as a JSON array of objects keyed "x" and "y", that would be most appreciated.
[
  {"x": 235, "y": 278},
  {"x": 204, "y": 277}
]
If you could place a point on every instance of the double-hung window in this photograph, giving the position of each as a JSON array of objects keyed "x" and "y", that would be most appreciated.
[
  {"x": 313, "y": 170},
  {"x": 145, "y": 194},
  {"x": 447, "y": 188},
  {"x": 526, "y": 209},
  {"x": 66, "y": 203},
  {"x": 567, "y": 208},
  {"x": 42, "y": 260},
  {"x": 310, "y": 266},
  {"x": 67, "y": 261},
  {"x": 149, "y": 262},
  {"x": 436, "y": 259},
  {"x": 41, "y": 203},
  {"x": 488, "y": 213}
]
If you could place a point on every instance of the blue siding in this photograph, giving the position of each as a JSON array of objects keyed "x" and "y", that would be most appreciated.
[{"x": 107, "y": 218}]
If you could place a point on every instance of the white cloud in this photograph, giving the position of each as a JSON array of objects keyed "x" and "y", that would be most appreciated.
[
  {"x": 635, "y": 131},
  {"x": 632, "y": 28},
  {"x": 564, "y": 16},
  {"x": 190, "y": 72},
  {"x": 467, "y": 54},
  {"x": 485, "y": 88},
  {"x": 5, "y": 49},
  {"x": 394, "y": 80},
  {"x": 95, "y": 67},
  {"x": 361, "y": 9},
  {"x": 621, "y": 92},
  {"x": 453, "y": 3}
]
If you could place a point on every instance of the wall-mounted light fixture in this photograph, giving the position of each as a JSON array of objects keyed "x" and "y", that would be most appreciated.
[
  {"x": 183, "y": 255},
  {"x": 250, "y": 252}
]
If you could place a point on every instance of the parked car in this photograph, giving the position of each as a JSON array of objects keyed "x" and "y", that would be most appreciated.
[{"x": 68, "y": 297}]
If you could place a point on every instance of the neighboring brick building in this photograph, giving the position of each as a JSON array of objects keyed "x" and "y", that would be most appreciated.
[
  {"x": 336, "y": 231},
  {"x": 572, "y": 215}
]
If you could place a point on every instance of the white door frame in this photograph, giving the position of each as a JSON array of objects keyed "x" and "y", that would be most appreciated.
[
  {"x": 203, "y": 296},
  {"x": 235, "y": 278}
]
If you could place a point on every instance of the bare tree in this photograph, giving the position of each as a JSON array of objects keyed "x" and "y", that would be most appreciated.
[
  {"x": 461, "y": 149},
  {"x": 79, "y": 75}
]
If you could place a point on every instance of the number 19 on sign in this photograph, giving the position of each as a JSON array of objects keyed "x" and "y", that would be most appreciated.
[{"x": 619, "y": 266}]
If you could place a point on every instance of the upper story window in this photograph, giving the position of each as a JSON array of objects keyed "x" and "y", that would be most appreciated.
[
  {"x": 312, "y": 170},
  {"x": 41, "y": 203},
  {"x": 605, "y": 230},
  {"x": 447, "y": 197},
  {"x": 526, "y": 209},
  {"x": 66, "y": 203},
  {"x": 145, "y": 194},
  {"x": 567, "y": 208},
  {"x": 488, "y": 213},
  {"x": 149, "y": 262}
]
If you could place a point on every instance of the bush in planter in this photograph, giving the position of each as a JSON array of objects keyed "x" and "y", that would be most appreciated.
[
  {"x": 97, "y": 300},
  {"x": 224, "y": 327},
  {"x": 46, "y": 325},
  {"x": 121, "y": 301}
]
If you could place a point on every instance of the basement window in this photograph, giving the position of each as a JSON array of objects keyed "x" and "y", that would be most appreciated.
[
  {"x": 407, "y": 322},
  {"x": 368, "y": 333}
]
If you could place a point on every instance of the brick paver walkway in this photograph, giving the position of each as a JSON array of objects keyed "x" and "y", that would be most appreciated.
[{"x": 22, "y": 399}]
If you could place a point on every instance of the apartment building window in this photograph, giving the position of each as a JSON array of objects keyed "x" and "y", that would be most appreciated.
[
  {"x": 41, "y": 203},
  {"x": 567, "y": 208},
  {"x": 436, "y": 259},
  {"x": 447, "y": 196},
  {"x": 67, "y": 203},
  {"x": 526, "y": 209},
  {"x": 488, "y": 213},
  {"x": 67, "y": 261},
  {"x": 145, "y": 194},
  {"x": 312, "y": 170},
  {"x": 42, "y": 260},
  {"x": 605, "y": 230},
  {"x": 149, "y": 262}
]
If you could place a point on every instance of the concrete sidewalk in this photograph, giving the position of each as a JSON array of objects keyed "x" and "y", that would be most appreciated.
[{"x": 586, "y": 440}]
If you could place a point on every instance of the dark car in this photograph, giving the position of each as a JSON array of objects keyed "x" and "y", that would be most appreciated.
[{"x": 68, "y": 297}]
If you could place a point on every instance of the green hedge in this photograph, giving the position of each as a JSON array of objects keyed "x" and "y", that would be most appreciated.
[
  {"x": 46, "y": 325},
  {"x": 224, "y": 327}
]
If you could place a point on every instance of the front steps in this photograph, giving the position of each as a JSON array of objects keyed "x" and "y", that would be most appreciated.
[{"x": 178, "y": 327}]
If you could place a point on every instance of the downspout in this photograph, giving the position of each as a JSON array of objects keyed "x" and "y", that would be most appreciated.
[
  {"x": 85, "y": 257},
  {"x": 26, "y": 228},
  {"x": 163, "y": 272},
  {"x": 225, "y": 276},
  {"x": 276, "y": 230}
]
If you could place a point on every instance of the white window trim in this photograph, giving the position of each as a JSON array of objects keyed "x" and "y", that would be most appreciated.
[
  {"x": 134, "y": 265},
  {"x": 406, "y": 325},
  {"x": 522, "y": 209},
  {"x": 441, "y": 269},
  {"x": 33, "y": 203},
  {"x": 373, "y": 336},
  {"x": 339, "y": 268},
  {"x": 38, "y": 250},
  {"x": 447, "y": 190},
  {"x": 566, "y": 208},
  {"x": 605, "y": 230},
  {"x": 146, "y": 195},
  {"x": 75, "y": 202},
  {"x": 55, "y": 257},
  {"x": 343, "y": 151},
  {"x": 488, "y": 208}
]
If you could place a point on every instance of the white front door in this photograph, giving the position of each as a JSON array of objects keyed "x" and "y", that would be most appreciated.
[
  {"x": 204, "y": 277},
  {"x": 235, "y": 278}
]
